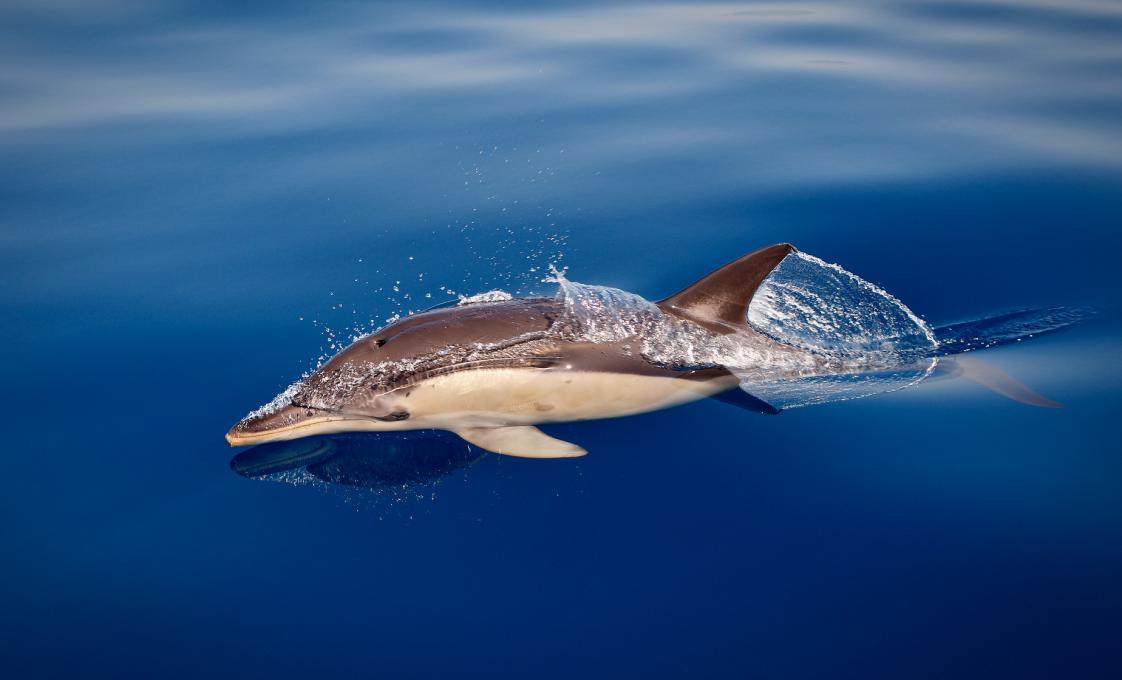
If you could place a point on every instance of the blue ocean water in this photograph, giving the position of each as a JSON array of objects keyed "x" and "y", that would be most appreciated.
[{"x": 197, "y": 202}]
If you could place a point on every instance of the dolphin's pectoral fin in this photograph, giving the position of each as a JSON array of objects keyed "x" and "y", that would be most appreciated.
[
  {"x": 739, "y": 397},
  {"x": 522, "y": 441}
]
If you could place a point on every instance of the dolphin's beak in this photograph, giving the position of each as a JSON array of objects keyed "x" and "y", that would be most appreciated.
[{"x": 287, "y": 422}]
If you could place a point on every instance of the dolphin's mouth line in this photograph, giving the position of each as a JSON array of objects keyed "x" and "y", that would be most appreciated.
[{"x": 244, "y": 439}]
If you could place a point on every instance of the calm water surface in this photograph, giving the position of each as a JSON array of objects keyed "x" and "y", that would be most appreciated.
[{"x": 197, "y": 202}]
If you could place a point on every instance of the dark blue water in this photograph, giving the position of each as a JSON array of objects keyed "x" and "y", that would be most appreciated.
[{"x": 190, "y": 195}]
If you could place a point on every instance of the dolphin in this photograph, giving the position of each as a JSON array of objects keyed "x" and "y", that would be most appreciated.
[{"x": 491, "y": 371}]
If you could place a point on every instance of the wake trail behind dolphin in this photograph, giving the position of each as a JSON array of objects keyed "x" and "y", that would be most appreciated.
[{"x": 1007, "y": 328}]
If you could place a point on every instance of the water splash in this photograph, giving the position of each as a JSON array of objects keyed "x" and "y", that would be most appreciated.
[
  {"x": 278, "y": 402},
  {"x": 808, "y": 303},
  {"x": 495, "y": 295},
  {"x": 871, "y": 341},
  {"x": 601, "y": 313}
]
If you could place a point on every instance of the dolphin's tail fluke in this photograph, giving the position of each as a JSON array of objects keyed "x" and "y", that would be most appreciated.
[{"x": 994, "y": 379}]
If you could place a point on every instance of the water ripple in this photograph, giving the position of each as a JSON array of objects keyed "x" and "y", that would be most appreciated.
[{"x": 358, "y": 65}]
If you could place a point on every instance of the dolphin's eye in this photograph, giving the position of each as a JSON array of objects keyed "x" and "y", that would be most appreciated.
[{"x": 379, "y": 342}]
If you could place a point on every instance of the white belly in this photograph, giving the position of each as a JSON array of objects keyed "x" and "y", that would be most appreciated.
[{"x": 522, "y": 396}]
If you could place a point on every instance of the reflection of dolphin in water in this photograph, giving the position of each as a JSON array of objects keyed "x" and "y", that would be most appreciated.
[
  {"x": 491, "y": 370},
  {"x": 374, "y": 463}
]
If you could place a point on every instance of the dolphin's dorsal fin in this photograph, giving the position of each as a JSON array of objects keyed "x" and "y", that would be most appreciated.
[
  {"x": 522, "y": 441},
  {"x": 720, "y": 300}
]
